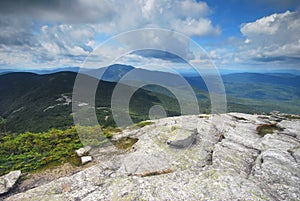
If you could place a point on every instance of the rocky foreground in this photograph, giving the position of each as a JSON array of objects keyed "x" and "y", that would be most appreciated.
[{"x": 220, "y": 157}]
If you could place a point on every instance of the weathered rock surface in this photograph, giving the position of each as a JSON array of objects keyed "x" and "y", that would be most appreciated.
[
  {"x": 8, "y": 181},
  {"x": 225, "y": 159}
]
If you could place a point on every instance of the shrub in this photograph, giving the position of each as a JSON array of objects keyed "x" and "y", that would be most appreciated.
[
  {"x": 31, "y": 151},
  {"x": 34, "y": 151}
]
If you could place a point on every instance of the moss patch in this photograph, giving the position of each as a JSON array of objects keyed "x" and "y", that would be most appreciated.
[
  {"x": 264, "y": 129},
  {"x": 290, "y": 116},
  {"x": 124, "y": 143},
  {"x": 110, "y": 131},
  {"x": 203, "y": 116},
  {"x": 141, "y": 124},
  {"x": 173, "y": 128}
]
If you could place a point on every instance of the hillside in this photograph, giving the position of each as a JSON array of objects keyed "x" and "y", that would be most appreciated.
[{"x": 31, "y": 102}]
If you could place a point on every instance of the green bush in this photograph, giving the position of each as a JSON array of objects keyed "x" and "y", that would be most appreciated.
[{"x": 33, "y": 151}]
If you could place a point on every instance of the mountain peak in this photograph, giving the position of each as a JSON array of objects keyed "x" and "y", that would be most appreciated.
[{"x": 121, "y": 67}]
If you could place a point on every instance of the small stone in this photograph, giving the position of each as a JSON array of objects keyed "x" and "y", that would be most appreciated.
[
  {"x": 83, "y": 151},
  {"x": 80, "y": 152},
  {"x": 86, "y": 159},
  {"x": 8, "y": 181}
]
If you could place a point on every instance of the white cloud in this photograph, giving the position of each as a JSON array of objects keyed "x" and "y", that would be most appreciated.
[
  {"x": 51, "y": 46},
  {"x": 50, "y": 33},
  {"x": 193, "y": 27},
  {"x": 191, "y": 9},
  {"x": 269, "y": 42},
  {"x": 274, "y": 36},
  {"x": 187, "y": 16},
  {"x": 247, "y": 40},
  {"x": 52, "y": 49},
  {"x": 159, "y": 39},
  {"x": 266, "y": 25}
]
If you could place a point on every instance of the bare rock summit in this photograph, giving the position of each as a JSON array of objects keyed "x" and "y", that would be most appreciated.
[{"x": 230, "y": 156}]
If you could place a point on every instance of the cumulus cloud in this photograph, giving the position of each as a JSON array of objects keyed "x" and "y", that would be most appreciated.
[
  {"x": 63, "y": 11},
  {"x": 194, "y": 27},
  {"x": 16, "y": 32},
  {"x": 113, "y": 15},
  {"x": 143, "y": 45},
  {"x": 159, "y": 39},
  {"x": 273, "y": 38},
  {"x": 270, "y": 42},
  {"x": 52, "y": 32},
  {"x": 170, "y": 14},
  {"x": 47, "y": 46}
]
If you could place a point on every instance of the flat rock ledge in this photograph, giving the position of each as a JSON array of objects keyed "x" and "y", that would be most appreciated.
[{"x": 220, "y": 157}]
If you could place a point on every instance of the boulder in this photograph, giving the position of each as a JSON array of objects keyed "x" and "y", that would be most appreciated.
[
  {"x": 8, "y": 181},
  {"x": 182, "y": 138}
]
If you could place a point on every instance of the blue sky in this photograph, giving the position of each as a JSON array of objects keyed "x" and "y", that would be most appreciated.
[{"x": 237, "y": 35}]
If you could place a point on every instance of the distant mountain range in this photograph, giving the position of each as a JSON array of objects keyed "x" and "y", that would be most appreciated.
[
  {"x": 260, "y": 92},
  {"x": 40, "y": 72},
  {"x": 183, "y": 73},
  {"x": 38, "y": 102},
  {"x": 270, "y": 91}
]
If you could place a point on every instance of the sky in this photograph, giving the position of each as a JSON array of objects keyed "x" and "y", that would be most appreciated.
[{"x": 235, "y": 35}]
